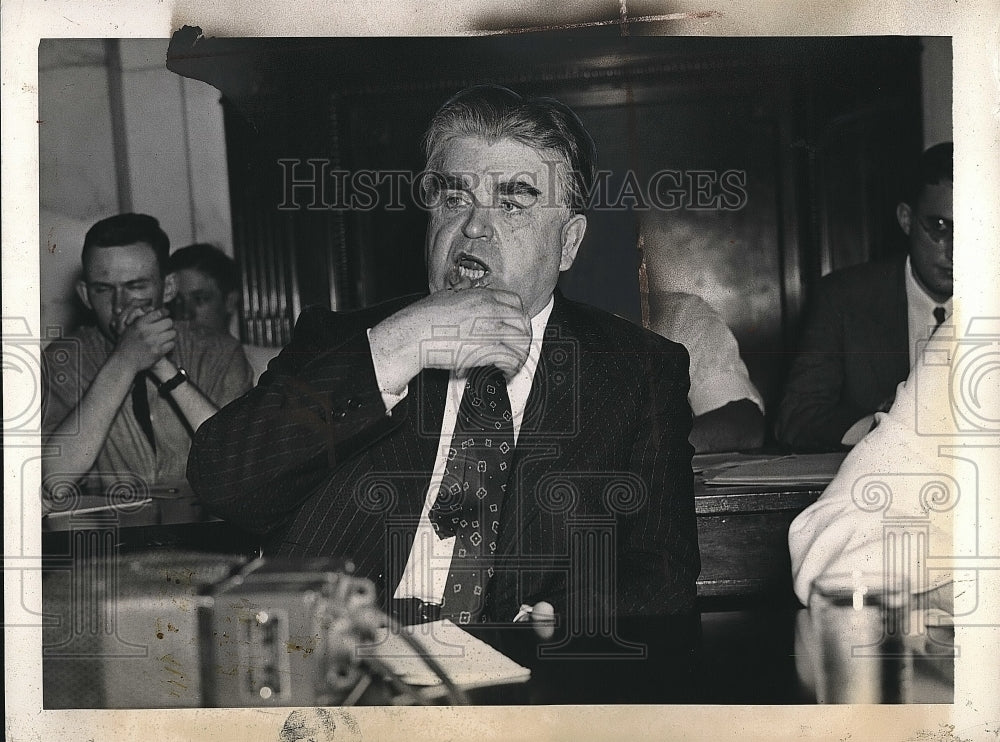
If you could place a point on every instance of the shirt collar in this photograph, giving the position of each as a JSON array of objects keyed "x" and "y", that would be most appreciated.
[
  {"x": 916, "y": 295},
  {"x": 540, "y": 320}
]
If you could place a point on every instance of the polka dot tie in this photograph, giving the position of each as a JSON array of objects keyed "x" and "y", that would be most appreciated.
[{"x": 472, "y": 490}]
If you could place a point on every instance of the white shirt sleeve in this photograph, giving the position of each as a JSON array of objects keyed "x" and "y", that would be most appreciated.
[
  {"x": 895, "y": 498},
  {"x": 389, "y": 399},
  {"x": 718, "y": 374}
]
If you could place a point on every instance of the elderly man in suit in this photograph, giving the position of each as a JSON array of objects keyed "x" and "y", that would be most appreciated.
[
  {"x": 861, "y": 335},
  {"x": 465, "y": 447}
]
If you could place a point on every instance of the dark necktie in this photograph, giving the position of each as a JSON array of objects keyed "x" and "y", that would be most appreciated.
[
  {"x": 938, "y": 317},
  {"x": 140, "y": 406},
  {"x": 472, "y": 490}
]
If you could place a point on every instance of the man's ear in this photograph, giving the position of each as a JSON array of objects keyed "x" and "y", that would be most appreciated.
[
  {"x": 232, "y": 302},
  {"x": 572, "y": 235},
  {"x": 81, "y": 291},
  {"x": 904, "y": 215},
  {"x": 169, "y": 288}
]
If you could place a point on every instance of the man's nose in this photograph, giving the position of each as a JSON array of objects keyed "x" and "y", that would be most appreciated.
[
  {"x": 479, "y": 222},
  {"x": 118, "y": 302}
]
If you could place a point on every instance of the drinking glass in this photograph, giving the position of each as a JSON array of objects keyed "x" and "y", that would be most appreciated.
[{"x": 860, "y": 627}]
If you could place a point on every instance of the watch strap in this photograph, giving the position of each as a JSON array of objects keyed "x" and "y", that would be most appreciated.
[{"x": 172, "y": 383}]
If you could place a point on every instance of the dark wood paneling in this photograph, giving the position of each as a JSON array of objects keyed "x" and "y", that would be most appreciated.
[{"x": 822, "y": 127}]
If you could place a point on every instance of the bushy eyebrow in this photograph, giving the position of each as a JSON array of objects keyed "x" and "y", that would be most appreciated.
[
  {"x": 133, "y": 283},
  {"x": 517, "y": 188},
  {"x": 462, "y": 182},
  {"x": 452, "y": 181}
]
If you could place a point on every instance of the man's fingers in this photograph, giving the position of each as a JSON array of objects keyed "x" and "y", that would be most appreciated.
[
  {"x": 507, "y": 298},
  {"x": 144, "y": 313},
  {"x": 506, "y": 356},
  {"x": 132, "y": 315},
  {"x": 509, "y": 366},
  {"x": 140, "y": 317},
  {"x": 161, "y": 325},
  {"x": 520, "y": 325},
  {"x": 543, "y": 620}
]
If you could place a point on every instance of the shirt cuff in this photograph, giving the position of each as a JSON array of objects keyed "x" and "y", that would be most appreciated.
[
  {"x": 712, "y": 391},
  {"x": 389, "y": 399},
  {"x": 858, "y": 431}
]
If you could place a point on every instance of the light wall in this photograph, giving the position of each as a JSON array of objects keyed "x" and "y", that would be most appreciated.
[
  {"x": 119, "y": 132},
  {"x": 935, "y": 69}
]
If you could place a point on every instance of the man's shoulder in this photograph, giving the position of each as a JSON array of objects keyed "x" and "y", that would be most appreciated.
[
  {"x": 193, "y": 339},
  {"x": 687, "y": 319},
  {"x": 201, "y": 334},
  {"x": 603, "y": 331},
  {"x": 85, "y": 337},
  {"x": 681, "y": 302},
  {"x": 322, "y": 320},
  {"x": 864, "y": 276}
]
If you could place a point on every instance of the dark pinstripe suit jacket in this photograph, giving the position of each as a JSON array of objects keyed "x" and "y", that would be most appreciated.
[{"x": 599, "y": 511}]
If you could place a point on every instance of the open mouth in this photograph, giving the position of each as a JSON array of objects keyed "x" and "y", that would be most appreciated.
[{"x": 468, "y": 270}]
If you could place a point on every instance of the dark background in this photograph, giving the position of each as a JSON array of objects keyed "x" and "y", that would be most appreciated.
[{"x": 824, "y": 129}]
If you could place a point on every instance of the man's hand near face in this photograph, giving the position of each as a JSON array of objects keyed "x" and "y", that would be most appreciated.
[
  {"x": 455, "y": 329},
  {"x": 145, "y": 337}
]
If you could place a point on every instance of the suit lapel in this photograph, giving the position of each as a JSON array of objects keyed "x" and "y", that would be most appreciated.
[
  {"x": 550, "y": 415},
  {"x": 888, "y": 331},
  {"x": 404, "y": 463},
  {"x": 415, "y": 450}
]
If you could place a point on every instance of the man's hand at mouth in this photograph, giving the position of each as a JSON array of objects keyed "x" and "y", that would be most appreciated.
[
  {"x": 455, "y": 329},
  {"x": 147, "y": 335}
]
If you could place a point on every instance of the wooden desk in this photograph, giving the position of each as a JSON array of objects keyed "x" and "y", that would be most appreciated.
[
  {"x": 151, "y": 641},
  {"x": 742, "y": 532},
  {"x": 166, "y": 519},
  {"x": 743, "y": 536}
]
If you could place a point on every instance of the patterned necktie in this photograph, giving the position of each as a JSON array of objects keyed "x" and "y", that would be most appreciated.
[
  {"x": 140, "y": 407},
  {"x": 472, "y": 490}
]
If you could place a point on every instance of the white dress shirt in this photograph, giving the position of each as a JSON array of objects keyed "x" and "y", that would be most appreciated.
[
  {"x": 920, "y": 312},
  {"x": 427, "y": 567},
  {"x": 914, "y": 474},
  {"x": 718, "y": 374}
]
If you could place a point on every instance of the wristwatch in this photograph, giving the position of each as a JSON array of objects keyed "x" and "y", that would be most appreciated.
[{"x": 172, "y": 383}]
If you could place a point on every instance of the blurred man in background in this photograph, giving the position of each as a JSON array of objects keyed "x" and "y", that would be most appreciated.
[
  {"x": 728, "y": 410},
  {"x": 208, "y": 295},
  {"x": 865, "y": 322}
]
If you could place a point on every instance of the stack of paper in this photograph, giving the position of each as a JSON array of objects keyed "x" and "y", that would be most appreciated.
[
  {"x": 468, "y": 661},
  {"x": 786, "y": 471},
  {"x": 710, "y": 462}
]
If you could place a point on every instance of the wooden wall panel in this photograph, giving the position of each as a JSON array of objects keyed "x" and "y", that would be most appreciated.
[{"x": 822, "y": 129}]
